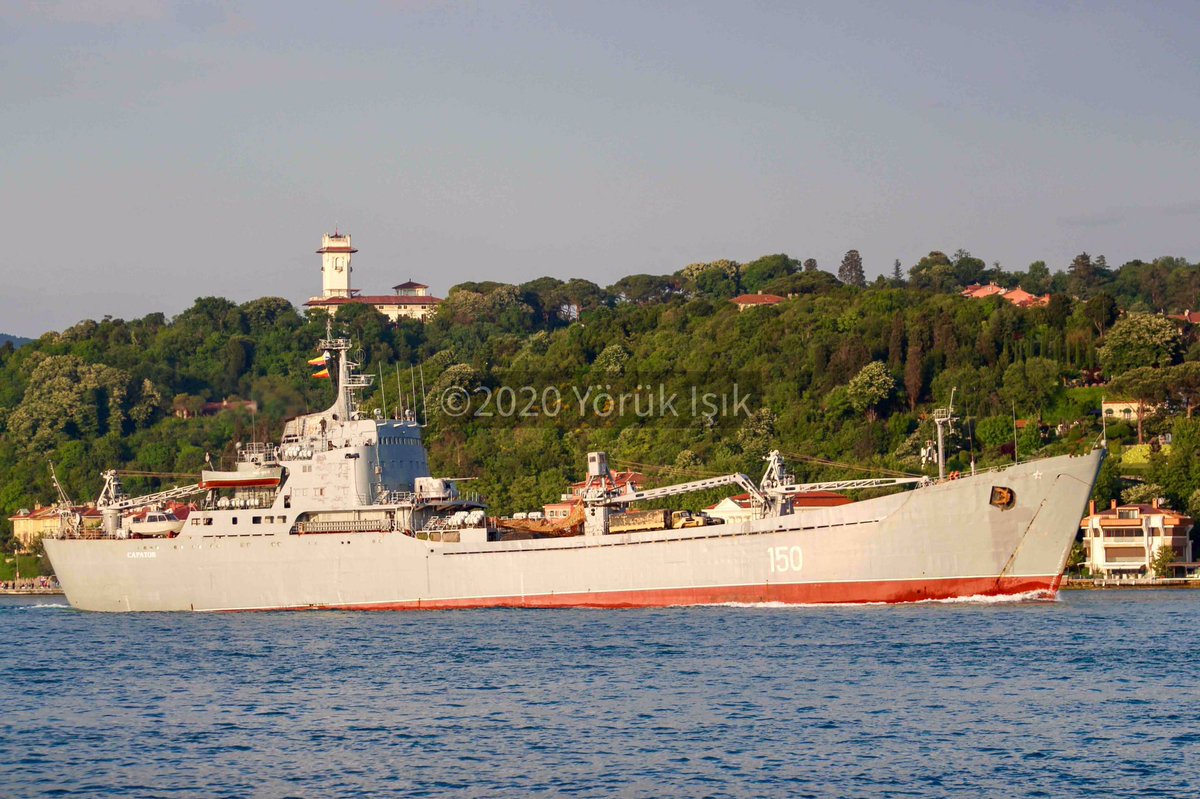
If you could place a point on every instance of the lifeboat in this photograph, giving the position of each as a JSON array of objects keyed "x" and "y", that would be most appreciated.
[
  {"x": 252, "y": 477},
  {"x": 156, "y": 524}
]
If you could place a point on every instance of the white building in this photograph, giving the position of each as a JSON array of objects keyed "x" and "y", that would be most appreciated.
[
  {"x": 335, "y": 255},
  {"x": 1122, "y": 540},
  {"x": 409, "y": 300}
]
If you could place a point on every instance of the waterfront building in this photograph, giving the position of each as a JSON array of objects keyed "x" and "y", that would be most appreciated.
[
  {"x": 409, "y": 300},
  {"x": 30, "y": 525},
  {"x": 1122, "y": 540}
]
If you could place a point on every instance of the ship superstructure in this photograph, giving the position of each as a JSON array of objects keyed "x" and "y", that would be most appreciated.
[{"x": 343, "y": 513}]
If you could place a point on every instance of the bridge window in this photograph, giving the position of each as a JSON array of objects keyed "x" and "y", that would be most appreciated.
[{"x": 256, "y": 520}]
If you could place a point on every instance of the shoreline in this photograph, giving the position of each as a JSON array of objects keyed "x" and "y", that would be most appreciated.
[
  {"x": 31, "y": 592},
  {"x": 1102, "y": 583}
]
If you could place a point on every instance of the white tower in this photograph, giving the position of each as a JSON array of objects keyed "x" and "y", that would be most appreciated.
[{"x": 335, "y": 255}]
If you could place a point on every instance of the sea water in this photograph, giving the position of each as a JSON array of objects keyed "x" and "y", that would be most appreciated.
[{"x": 1095, "y": 694}]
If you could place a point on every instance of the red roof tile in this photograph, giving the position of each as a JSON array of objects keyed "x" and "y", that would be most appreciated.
[
  {"x": 376, "y": 299},
  {"x": 757, "y": 299}
]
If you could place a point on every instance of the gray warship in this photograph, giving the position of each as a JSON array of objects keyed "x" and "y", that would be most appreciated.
[{"x": 343, "y": 513}]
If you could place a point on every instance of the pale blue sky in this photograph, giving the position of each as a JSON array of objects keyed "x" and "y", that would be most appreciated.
[{"x": 156, "y": 151}]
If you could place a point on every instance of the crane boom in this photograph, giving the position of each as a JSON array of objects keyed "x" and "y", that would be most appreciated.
[
  {"x": 845, "y": 485},
  {"x": 113, "y": 496},
  {"x": 686, "y": 488},
  {"x": 153, "y": 499}
]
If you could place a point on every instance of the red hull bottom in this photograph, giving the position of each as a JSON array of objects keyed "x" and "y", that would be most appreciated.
[{"x": 891, "y": 591}]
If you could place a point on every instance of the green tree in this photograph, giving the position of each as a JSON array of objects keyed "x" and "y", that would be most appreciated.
[
  {"x": 851, "y": 271},
  {"x": 612, "y": 360},
  {"x": 1058, "y": 311},
  {"x": 1108, "y": 482},
  {"x": 642, "y": 289},
  {"x": 1160, "y": 563},
  {"x": 149, "y": 405},
  {"x": 810, "y": 264},
  {"x": 1179, "y": 472},
  {"x": 1141, "y": 494},
  {"x": 1145, "y": 385},
  {"x": 1184, "y": 382},
  {"x": 1101, "y": 310},
  {"x": 934, "y": 272},
  {"x": 761, "y": 271},
  {"x": 1139, "y": 340},
  {"x": 1077, "y": 558},
  {"x": 994, "y": 432},
  {"x": 1085, "y": 277},
  {"x": 68, "y": 398},
  {"x": 914, "y": 374},
  {"x": 1037, "y": 279},
  {"x": 967, "y": 268},
  {"x": 870, "y": 388},
  {"x": 1032, "y": 383}
]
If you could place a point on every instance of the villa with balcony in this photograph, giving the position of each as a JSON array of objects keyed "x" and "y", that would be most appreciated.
[{"x": 1122, "y": 540}]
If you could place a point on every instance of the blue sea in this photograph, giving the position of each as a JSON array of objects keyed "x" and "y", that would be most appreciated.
[{"x": 1095, "y": 694}]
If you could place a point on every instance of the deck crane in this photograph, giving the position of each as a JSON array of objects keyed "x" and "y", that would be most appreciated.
[
  {"x": 69, "y": 522},
  {"x": 113, "y": 500},
  {"x": 770, "y": 498}
]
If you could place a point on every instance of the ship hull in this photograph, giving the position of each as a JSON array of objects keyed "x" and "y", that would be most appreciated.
[
  {"x": 939, "y": 542},
  {"x": 894, "y": 592}
]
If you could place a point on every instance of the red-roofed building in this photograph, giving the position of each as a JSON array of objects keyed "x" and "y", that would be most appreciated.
[
  {"x": 978, "y": 292},
  {"x": 1187, "y": 317},
  {"x": 393, "y": 306},
  {"x": 621, "y": 481},
  {"x": 1023, "y": 299},
  {"x": 31, "y": 525},
  {"x": 754, "y": 300},
  {"x": 409, "y": 300},
  {"x": 1018, "y": 296}
]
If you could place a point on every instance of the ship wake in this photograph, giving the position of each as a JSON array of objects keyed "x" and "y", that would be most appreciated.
[{"x": 975, "y": 599}]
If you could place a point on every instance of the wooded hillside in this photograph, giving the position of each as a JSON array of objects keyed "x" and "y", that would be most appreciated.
[{"x": 837, "y": 372}]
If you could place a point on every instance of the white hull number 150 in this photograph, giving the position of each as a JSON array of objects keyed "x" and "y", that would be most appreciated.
[{"x": 785, "y": 559}]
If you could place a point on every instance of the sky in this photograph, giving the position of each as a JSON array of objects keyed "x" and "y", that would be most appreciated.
[{"x": 157, "y": 151}]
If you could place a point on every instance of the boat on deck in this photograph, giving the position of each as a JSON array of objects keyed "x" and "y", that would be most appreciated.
[{"x": 156, "y": 524}]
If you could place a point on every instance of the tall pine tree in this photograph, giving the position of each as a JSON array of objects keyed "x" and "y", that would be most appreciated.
[{"x": 851, "y": 270}]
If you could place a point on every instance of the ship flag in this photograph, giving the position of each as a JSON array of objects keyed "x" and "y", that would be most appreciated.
[
  {"x": 320, "y": 360},
  {"x": 322, "y": 375}
]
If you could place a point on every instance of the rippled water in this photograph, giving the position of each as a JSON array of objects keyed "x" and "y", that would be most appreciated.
[{"x": 1093, "y": 695}]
